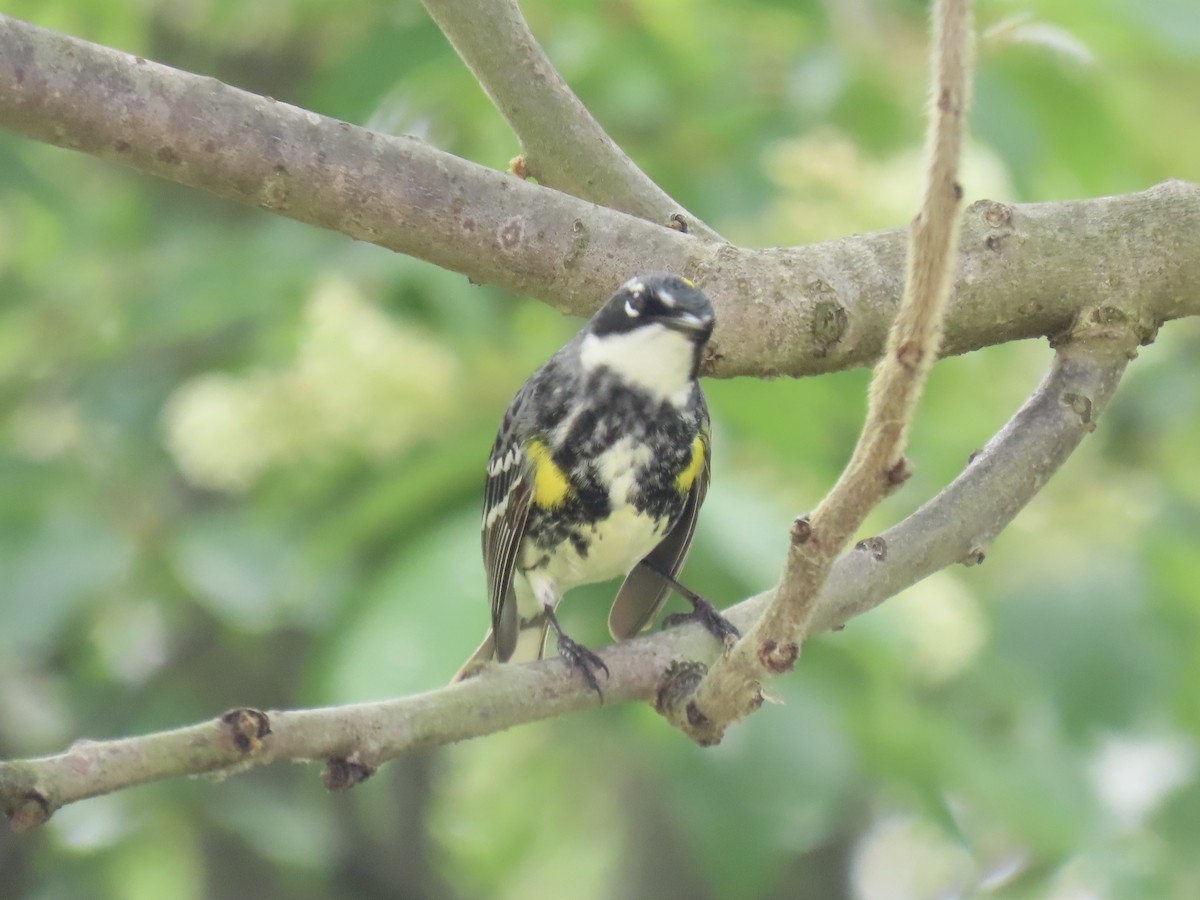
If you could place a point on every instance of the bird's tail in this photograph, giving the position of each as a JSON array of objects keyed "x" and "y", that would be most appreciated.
[{"x": 530, "y": 645}]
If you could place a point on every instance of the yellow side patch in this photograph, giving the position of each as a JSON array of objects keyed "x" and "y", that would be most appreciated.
[
  {"x": 550, "y": 485},
  {"x": 688, "y": 282},
  {"x": 685, "y": 479}
]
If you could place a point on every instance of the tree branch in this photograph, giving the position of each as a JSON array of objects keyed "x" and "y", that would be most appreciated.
[
  {"x": 955, "y": 526},
  {"x": 733, "y": 687},
  {"x": 798, "y": 311},
  {"x": 960, "y": 523},
  {"x": 795, "y": 311},
  {"x": 563, "y": 146}
]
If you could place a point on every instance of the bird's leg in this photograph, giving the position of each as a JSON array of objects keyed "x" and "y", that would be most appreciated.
[
  {"x": 702, "y": 610},
  {"x": 577, "y": 656}
]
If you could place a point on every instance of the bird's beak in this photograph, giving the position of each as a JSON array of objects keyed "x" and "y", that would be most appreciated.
[{"x": 686, "y": 323}]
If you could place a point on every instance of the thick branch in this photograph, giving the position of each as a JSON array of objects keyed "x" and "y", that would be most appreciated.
[
  {"x": 564, "y": 147},
  {"x": 732, "y": 688},
  {"x": 957, "y": 525},
  {"x": 1025, "y": 270}
]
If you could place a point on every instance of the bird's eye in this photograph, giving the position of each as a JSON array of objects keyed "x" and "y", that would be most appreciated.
[{"x": 635, "y": 305}]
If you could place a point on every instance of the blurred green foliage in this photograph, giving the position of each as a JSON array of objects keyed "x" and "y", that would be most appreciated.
[{"x": 241, "y": 463}]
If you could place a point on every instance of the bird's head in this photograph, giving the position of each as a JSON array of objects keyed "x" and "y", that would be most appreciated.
[{"x": 651, "y": 332}]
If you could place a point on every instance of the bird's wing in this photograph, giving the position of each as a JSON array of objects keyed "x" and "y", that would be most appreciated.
[
  {"x": 643, "y": 591},
  {"x": 507, "y": 496}
]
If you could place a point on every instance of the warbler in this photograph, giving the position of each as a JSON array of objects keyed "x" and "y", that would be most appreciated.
[{"x": 599, "y": 469}]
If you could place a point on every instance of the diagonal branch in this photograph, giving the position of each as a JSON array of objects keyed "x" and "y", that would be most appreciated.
[
  {"x": 564, "y": 147},
  {"x": 960, "y": 523},
  {"x": 796, "y": 311},
  {"x": 956, "y": 525},
  {"x": 733, "y": 688}
]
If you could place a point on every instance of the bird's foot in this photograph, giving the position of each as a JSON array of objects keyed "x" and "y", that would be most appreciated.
[
  {"x": 579, "y": 657},
  {"x": 583, "y": 660},
  {"x": 702, "y": 610},
  {"x": 708, "y": 616}
]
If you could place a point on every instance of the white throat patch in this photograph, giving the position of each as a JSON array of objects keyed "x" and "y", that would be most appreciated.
[{"x": 651, "y": 356}]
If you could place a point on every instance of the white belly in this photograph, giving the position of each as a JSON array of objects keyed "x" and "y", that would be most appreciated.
[{"x": 615, "y": 547}]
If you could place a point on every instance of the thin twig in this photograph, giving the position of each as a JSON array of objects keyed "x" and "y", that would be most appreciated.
[
  {"x": 797, "y": 311},
  {"x": 563, "y": 146},
  {"x": 733, "y": 687}
]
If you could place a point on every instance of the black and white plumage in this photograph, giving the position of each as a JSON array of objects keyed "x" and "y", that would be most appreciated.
[{"x": 601, "y": 463}]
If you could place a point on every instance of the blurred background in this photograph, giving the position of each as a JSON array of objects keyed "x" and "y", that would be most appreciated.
[{"x": 241, "y": 464}]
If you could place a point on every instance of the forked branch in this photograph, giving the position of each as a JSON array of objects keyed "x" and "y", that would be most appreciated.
[
  {"x": 796, "y": 310},
  {"x": 563, "y": 145}
]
